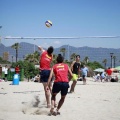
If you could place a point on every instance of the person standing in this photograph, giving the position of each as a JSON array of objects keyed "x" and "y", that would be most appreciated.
[
  {"x": 61, "y": 83},
  {"x": 84, "y": 71},
  {"x": 75, "y": 68},
  {"x": 45, "y": 61},
  {"x": 103, "y": 76},
  {"x": 6, "y": 72},
  {"x": 17, "y": 69},
  {"x": 109, "y": 73}
]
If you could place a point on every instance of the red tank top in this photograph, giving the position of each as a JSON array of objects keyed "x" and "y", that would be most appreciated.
[
  {"x": 45, "y": 61},
  {"x": 17, "y": 70},
  {"x": 61, "y": 72},
  {"x": 109, "y": 72}
]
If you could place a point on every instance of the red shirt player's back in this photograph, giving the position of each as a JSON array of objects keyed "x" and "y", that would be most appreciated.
[
  {"x": 61, "y": 72},
  {"x": 45, "y": 61},
  {"x": 109, "y": 71}
]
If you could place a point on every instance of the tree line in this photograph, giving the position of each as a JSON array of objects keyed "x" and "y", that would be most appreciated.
[{"x": 30, "y": 60}]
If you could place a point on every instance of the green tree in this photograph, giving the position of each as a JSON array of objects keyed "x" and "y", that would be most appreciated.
[
  {"x": 36, "y": 57},
  {"x": 54, "y": 59},
  {"x": 86, "y": 60},
  {"x": 72, "y": 57},
  {"x": 63, "y": 50},
  {"x": 94, "y": 65},
  {"x": 105, "y": 62},
  {"x": 29, "y": 68},
  {"x": 3, "y": 61},
  {"x": 33, "y": 58},
  {"x": 16, "y": 46}
]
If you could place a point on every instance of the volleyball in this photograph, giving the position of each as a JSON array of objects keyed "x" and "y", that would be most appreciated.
[{"x": 48, "y": 23}]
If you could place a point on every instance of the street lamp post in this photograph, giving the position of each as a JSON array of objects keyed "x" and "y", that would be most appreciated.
[
  {"x": 111, "y": 54},
  {"x": 114, "y": 58}
]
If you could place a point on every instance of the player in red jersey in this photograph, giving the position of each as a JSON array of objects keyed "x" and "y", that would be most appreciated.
[
  {"x": 61, "y": 83},
  {"x": 45, "y": 61}
]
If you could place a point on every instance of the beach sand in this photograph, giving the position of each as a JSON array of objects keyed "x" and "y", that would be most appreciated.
[{"x": 94, "y": 101}]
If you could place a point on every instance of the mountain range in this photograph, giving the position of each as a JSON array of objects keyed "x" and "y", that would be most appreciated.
[{"x": 94, "y": 54}]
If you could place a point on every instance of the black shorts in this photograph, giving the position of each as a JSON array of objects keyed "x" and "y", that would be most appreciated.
[
  {"x": 60, "y": 86},
  {"x": 5, "y": 75},
  {"x": 83, "y": 76},
  {"x": 44, "y": 75}
]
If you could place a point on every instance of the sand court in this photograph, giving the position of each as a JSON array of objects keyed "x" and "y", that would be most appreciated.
[{"x": 94, "y": 101}]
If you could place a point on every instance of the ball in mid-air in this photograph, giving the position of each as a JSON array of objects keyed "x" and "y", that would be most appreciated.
[{"x": 48, "y": 23}]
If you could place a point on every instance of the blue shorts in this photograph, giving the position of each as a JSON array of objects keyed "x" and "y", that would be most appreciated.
[
  {"x": 44, "y": 75},
  {"x": 83, "y": 76},
  {"x": 60, "y": 86}
]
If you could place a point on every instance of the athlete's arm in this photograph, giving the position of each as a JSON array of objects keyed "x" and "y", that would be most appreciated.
[
  {"x": 70, "y": 72},
  {"x": 71, "y": 67},
  {"x": 79, "y": 70},
  {"x": 41, "y": 49}
]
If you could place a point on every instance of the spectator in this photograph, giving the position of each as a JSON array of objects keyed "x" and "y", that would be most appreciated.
[
  {"x": 102, "y": 76},
  {"x": 37, "y": 78},
  {"x": 109, "y": 73},
  {"x": 6, "y": 72},
  {"x": 84, "y": 71},
  {"x": 97, "y": 77},
  {"x": 17, "y": 69}
]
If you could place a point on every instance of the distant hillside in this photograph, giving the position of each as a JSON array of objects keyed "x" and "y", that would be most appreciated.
[{"x": 94, "y": 54}]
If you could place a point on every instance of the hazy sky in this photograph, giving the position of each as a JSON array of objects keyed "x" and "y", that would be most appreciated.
[{"x": 70, "y": 18}]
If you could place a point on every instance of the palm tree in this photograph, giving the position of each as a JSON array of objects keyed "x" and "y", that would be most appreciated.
[
  {"x": 114, "y": 58},
  {"x": 54, "y": 59},
  {"x": 63, "y": 50},
  {"x": 72, "y": 56},
  {"x": 86, "y": 60},
  {"x": 105, "y": 62},
  {"x": 29, "y": 57},
  {"x": 34, "y": 58},
  {"x": 16, "y": 46}
]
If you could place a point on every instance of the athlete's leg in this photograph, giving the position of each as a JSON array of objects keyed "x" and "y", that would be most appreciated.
[
  {"x": 84, "y": 80},
  {"x": 73, "y": 86},
  {"x": 74, "y": 81},
  {"x": 61, "y": 102},
  {"x": 64, "y": 91},
  {"x": 53, "y": 99},
  {"x": 47, "y": 95}
]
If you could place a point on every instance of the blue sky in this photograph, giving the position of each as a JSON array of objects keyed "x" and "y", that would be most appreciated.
[{"x": 70, "y": 18}]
